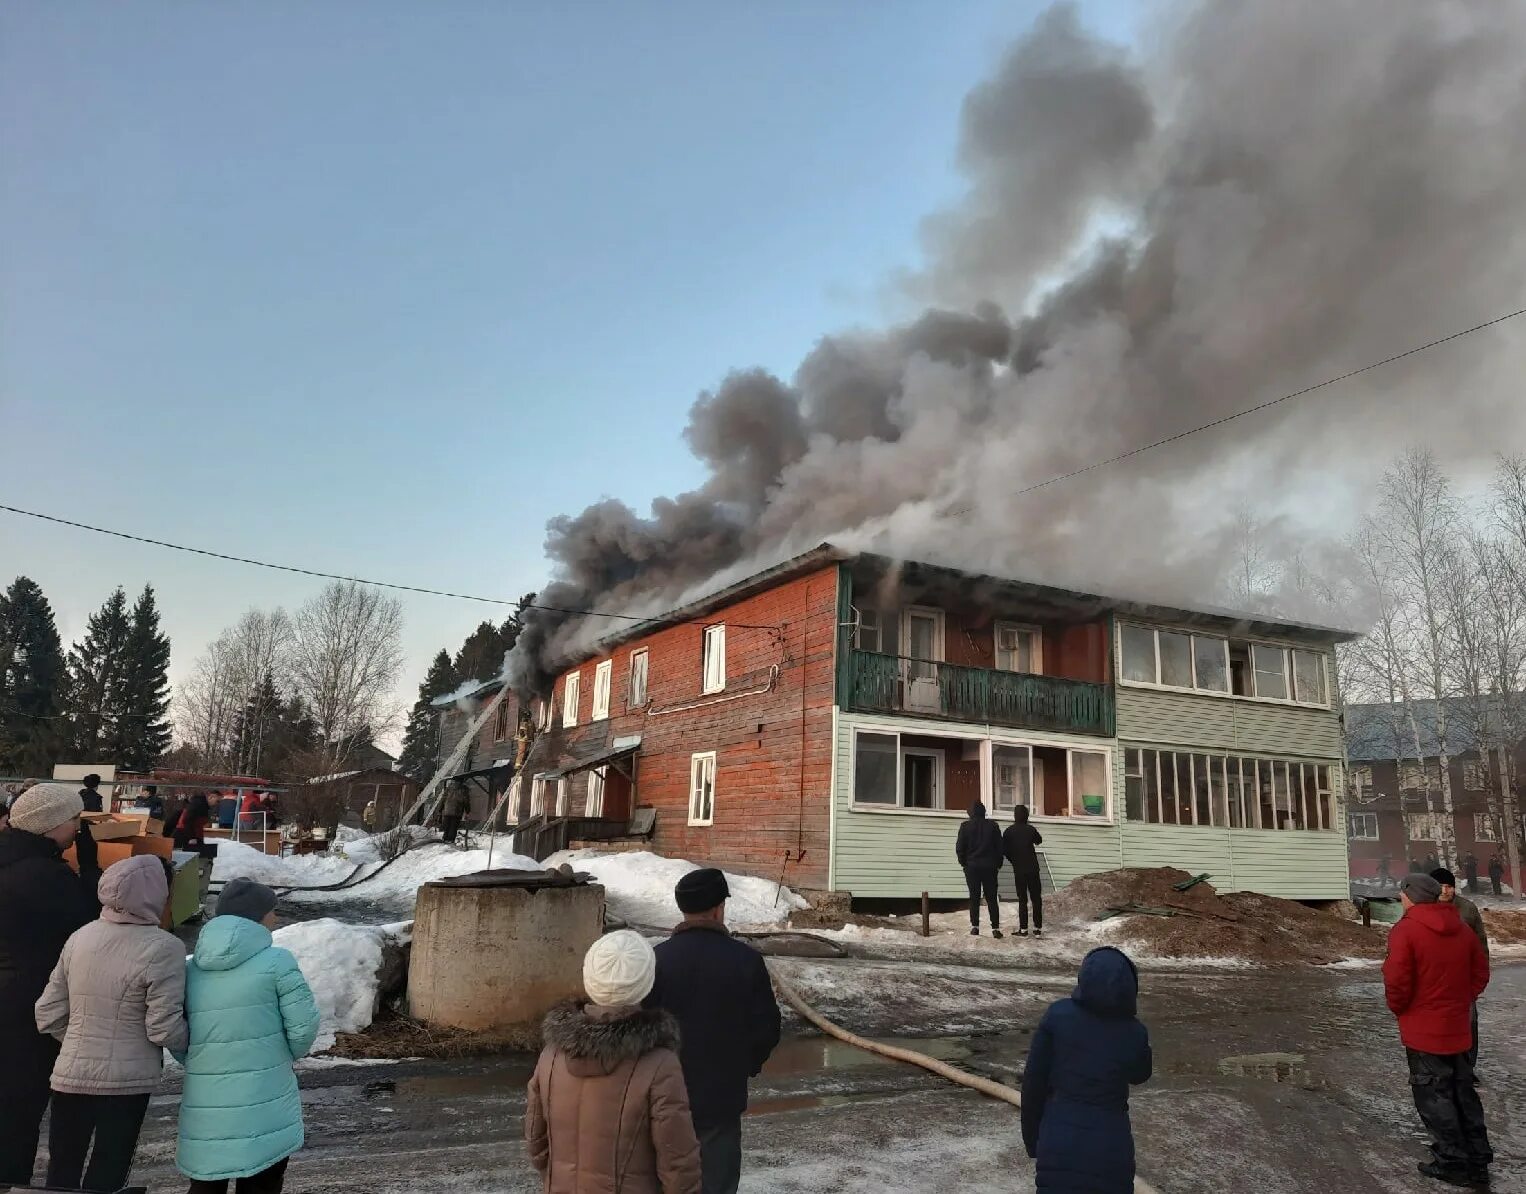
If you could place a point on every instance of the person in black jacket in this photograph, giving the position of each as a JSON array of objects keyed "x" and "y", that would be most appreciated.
[
  {"x": 718, "y": 990},
  {"x": 979, "y": 850},
  {"x": 1018, "y": 845},
  {"x": 42, "y": 902}
]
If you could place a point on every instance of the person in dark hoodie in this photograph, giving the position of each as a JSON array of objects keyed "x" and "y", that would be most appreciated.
[
  {"x": 1018, "y": 844},
  {"x": 979, "y": 850},
  {"x": 1087, "y": 1052},
  {"x": 42, "y": 903},
  {"x": 1434, "y": 973}
]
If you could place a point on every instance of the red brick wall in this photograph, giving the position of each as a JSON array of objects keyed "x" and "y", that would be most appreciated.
[{"x": 772, "y": 788}]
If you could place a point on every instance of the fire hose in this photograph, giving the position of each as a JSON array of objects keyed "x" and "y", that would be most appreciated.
[{"x": 985, "y": 1086}]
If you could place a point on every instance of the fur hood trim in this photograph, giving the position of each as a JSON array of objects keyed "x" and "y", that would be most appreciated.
[{"x": 608, "y": 1042}]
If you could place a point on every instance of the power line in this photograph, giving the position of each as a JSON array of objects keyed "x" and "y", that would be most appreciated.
[
  {"x": 375, "y": 584},
  {"x": 1250, "y": 410}
]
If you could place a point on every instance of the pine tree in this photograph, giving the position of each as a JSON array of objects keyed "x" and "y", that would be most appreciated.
[
  {"x": 257, "y": 727},
  {"x": 32, "y": 678},
  {"x": 481, "y": 655},
  {"x": 421, "y": 740},
  {"x": 93, "y": 698},
  {"x": 143, "y": 727}
]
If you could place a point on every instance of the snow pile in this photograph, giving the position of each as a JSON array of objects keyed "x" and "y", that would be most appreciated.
[
  {"x": 236, "y": 860},
  {"x": 342, "y": 963},
  {"x": 639, "y": 888}
]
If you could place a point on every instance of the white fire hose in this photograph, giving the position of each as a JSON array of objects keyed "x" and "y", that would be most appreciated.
[{"x": 992, "y": 1090}]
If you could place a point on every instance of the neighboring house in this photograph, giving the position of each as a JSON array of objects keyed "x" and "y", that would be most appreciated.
[
  {"x": 1394, "y": 799},
  {"x": 488, "y": 765},
  {"x": 832, "y": 719},
  {"x": 392, "y": 791}
]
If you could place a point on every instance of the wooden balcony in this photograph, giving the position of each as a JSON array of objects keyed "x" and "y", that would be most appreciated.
[{"x": 948, "y": 692}]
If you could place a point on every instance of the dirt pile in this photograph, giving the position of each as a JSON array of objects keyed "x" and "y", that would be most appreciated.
[
  {"x": 395, "y": 1037},
  {"x": 1204, "y": 924},
  {"x": 1505, "y": 927}
]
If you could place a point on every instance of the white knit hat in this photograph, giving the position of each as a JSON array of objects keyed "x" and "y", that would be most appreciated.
[
  {"x": 619, "y": 969},
  {"x": 44, "y": 807}
]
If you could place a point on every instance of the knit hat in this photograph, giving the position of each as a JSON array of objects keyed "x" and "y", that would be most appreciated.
[
  {"x": 45, "y": 807},
  {"x": 246, "y": 898},
  {"x": 701, "y": 890},
  {"x": 1421, "y": 889},
  {"x": 1444, "y": 877},
  {"x": 619, "y": 969}
]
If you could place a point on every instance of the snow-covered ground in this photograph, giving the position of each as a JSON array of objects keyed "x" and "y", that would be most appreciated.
[
  {"x": 639, "y": 889},
  {"x": 341, "y": 963}
]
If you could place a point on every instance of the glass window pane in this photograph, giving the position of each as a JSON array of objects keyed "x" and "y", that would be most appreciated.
[
  {"x": 1168, "y": 804},
  {"x": 1150, "y": 765},
  {"x": 1133, "y": 786},
  {"x": 1235, "y": 793},
  {"x": 1202, "y": 801},
  {"x": 919, "y": 781},
  {"x": 1088, "y": 783},
  {"x": 1283, "y": 796},
  {"x": 1266, "y": 805},
  {"x": 1210, "y": 663},
  {"x": 874, "y": 769},
  {"x": 1271, "y": 665},
  {"x": 1011, "y": 767},
  {"x": 1138, "y": 654},
  {"x": 1176, "y": 659},
  {"x": 1309, "y": 676}
]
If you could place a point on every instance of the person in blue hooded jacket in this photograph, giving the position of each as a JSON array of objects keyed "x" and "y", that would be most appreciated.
[
  {"x": 1087, "y": 1052},
  {"x": 251, "y": 1016}
]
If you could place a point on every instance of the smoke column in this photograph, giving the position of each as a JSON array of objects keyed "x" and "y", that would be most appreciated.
[{"x": 1268, "y": 195}]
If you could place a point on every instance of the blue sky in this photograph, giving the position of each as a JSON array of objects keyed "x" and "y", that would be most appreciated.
[{"x": 377, "y": 288}]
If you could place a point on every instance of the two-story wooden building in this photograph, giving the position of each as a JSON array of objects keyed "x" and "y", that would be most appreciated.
[{"x": 832, "y": 719}]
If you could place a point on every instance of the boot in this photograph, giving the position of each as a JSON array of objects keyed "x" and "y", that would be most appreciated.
[
  {"x": 1445, "y": 1173},
  {"x": 974, "y": 930},
  {"x": 996, "y": 933}
]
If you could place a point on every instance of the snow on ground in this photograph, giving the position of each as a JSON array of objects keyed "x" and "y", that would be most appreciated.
[
  {"x": 639, "y": 889},
  {"x": 340, "y": 962}
]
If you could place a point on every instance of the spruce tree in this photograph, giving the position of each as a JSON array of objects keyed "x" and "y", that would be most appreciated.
[
  {"x": 481, "y": 655},
  {"x": 96, "y": 672},
  {"x": 421, "y": 740},
  {"x": 32, "y": 679},
  {"x": 257, "y": 727},
  {"x": 143, "y": 727}
]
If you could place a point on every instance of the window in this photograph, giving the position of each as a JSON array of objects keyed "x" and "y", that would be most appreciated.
[
  {"x": 702, "y": 787},
  {"x": 1133, "y": 785},
  {"x": 1483, "y": 828},
  {"x": 636, "y": 690},
  {"x": 869, "y": 634},
  {"x": 1210, "y": 663},
  {"x": 1226, "y": 791},
  {"x": 1175, "y": 659},
  {"x": 1271, "y": 668},
  {"x": 714, "y": 667},
  {"x": 593, "y": 803},
  {"x": 602, "y": 676},
  {"x": 562, "y": 793},
  {"x": 1011, "y": 777},
  {"x": 1361, "y": 782},
  {"x": 1019, "y": 648},
  {"x": 1139, "y": 654},
  {"x": 501, "y": 721},
  {"x": 547, "y": 711},
  {"x": 537, "y": 796},
  {"x": 1309, "y": 677},
  {"x": 1088, "y": 783},
  {"x": 570, "y": 699},
  {"x": 1412, "y": 776},
  {"x": 921, "y": 778},
  {"x": 1364, "y": 826},
  {"x": 876, "y": 760},
  {"x": 1422, "y": 827},
  {"x": 1474, "y": 776}
]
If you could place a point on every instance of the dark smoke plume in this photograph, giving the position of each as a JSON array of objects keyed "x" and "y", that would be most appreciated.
[{"x": 1271, "y": 195}]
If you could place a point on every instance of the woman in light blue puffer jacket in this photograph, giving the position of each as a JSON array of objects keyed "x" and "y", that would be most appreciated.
[{"x": 251, "y": 1016}]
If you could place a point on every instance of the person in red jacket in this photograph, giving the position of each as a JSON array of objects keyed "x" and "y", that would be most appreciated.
[{"x": 1434, "y": 971}]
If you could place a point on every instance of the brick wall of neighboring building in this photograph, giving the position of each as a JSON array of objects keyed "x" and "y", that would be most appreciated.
[{"x": 771, "y": 729}]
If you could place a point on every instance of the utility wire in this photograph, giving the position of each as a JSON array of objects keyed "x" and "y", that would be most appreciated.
[{"x": 1250, "y": 410}]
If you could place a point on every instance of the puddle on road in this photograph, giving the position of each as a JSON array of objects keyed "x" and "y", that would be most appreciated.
[
  {"x": 814, "y": 1054},
  {"x": 1274, "y": 1067},
  {"x": 804, "y": 1103}
]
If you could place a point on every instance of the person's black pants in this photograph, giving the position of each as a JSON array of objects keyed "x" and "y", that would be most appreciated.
[
  {"x": 1472, "y": 1053},
  {"x": 1028, "y": 889},
  {"x": 983, "y": 883},
  {"x": 267, "y": 1181},
  {"x": 720, "y": 1157},
  {"x": 103, "y": 1127},
  {"x": 1450, "y": 1109},
  {"x": 26, "y": 1067},
  {"x": 1495, "y": 883},
  {"x": 451, "y": 826}
]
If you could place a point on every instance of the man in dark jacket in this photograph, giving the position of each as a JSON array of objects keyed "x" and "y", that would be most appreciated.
[
  {"x": 979, "y": 850},
  {"x": 1018, "y": 844},
  {"x": 90, "y": 794},
  {"x": 42, "y": 902},
  {"x": 1434, "y": 972},
  {"x": 1496, "y": 873},
  {"x": 1086, "y": 1053},
  {"x": 718, "y": 990},
  {"x": 1467, "y": 910}
]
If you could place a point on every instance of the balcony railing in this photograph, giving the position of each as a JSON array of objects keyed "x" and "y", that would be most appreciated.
[{"x": 919, "y": 688}]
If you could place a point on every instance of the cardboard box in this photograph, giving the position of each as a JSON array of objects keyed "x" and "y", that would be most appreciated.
[
  {"x": 162, "y": 846},
  {"x": 111, "y": 827}
]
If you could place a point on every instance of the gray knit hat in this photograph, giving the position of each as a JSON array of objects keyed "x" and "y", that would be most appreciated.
[
  {"x": 44, "y": 807},
  {"x": 246, "y": 898},
  {"x": 1420, "y": 888}
]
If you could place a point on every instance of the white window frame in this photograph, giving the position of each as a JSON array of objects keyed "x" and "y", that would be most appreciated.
[
  {"x": 1107, "y": 784},
  {"x": 713, "y": 660},
  {"x": 501, "y": 720},
  {"x": 572, "y": 691},
  {"x": 538, "y": 796},
  {"x": 1353, "y": 820},
  {"x": 547, "y": 712},
  {"x": 988, "y": 767},
  {"x": 873, "y": 621},
  {"x": 640, "y": 665},
  {"x": 563, "y": 796},
  {"x": 593, "y": 801},
  {"x": 1227, "y": 693},
  {"x": 1428, "y": 825},
  {"x": 603, "y": 679},
  {"x": 1483, "y": 829},
  {"x": 699, "y": 764},
  {"x": 1035, "y": 646},
  {"x": 940, "y": 778}
]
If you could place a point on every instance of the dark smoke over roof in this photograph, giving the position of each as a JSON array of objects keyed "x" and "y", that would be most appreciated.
[{"x": 1269, "y": 195}]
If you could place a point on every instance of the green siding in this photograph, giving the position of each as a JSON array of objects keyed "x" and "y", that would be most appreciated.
[
  {"x": 1226, "y": 724},
  {"x": 1303, "y": 865}
]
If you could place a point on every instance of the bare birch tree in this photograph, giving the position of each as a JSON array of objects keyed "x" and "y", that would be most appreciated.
[
  {"x": 345, "y": 660},
  {"x": 224, "y": 680}
]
